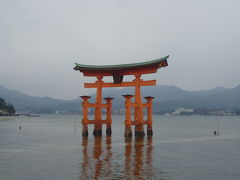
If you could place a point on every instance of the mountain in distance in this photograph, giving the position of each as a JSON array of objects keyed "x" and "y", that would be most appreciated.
[
  {"x": 26, "y": 103},
  {"x": 166, "y": 98},
  {"x": 172, "y": 97},
  {"x": 208, "y": 92}
]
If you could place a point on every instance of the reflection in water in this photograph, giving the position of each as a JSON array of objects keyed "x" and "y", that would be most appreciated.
[
  {"x": 138, "y": 158},
  {"x": 96, "y": 159},
  {"x": 149, "y": 156},
  {"x": 97, "y": 152},
  {"x": 134, "y": 161},
  {"x": 128, "y": 159},
  {"x": 85, "y": 158},
  {"x": 138, "y": 147},
  {"x": 109, "y": 154}
]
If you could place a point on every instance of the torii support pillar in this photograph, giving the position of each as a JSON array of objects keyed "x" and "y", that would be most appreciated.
[
  {"x": 109, "y": 115},
  {"x": 85, "y": 121},
  {"x": 139, "y": 132},
  {"x": 85, "y": 115},
  {"x": 98, "y": 110},
  {"x": 138, "y": 113},
  {"x": 149, "y": 115},
  {"x": 128, "y": 121}
]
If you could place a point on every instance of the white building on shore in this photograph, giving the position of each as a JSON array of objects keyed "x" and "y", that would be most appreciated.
[{"x": 179, "y": 111}]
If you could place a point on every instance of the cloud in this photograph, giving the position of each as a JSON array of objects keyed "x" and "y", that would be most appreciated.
[{"x": 41, "y": 40}]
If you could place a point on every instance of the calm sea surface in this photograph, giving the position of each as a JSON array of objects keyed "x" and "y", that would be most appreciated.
[{"x": 183, "y": 147}]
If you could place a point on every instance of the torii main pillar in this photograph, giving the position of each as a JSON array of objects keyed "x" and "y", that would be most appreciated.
[{"x": 118, "y": 72}]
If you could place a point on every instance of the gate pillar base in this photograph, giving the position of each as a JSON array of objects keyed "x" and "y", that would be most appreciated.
[
  {"x": 139, "y": 130},
  {"x": 85, "y": 131},
  {"x": 97, "y": 132},
  {"x": 109, "y": 131},
  {"x": 128, "y": 132},
  {"x": 150, "y": 132}
]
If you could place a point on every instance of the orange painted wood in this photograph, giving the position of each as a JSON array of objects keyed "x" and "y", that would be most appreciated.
[
  {"x": 108, "y": 109},
  {"x": 123, "y": 84},
  {"x": 138, "y": 101},
  {"x": 98, "y": 109},
  {"x": 96, "y": 105},
  {"x": 128, "y": 109},
  {"x": 134, "y": 105},
  {"x": 85, "y": 109},
  {"x": 137, "y": 104},
  {"x": 139, "y": 70},
  {"x": 145, "y": 105},
  {"x": 149, "y": 110},
  {"x": 97, "y": 122},
  {"x": 133, "y": 122}
]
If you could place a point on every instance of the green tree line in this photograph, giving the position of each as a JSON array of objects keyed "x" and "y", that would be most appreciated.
[{"x": 8, "y": 107}]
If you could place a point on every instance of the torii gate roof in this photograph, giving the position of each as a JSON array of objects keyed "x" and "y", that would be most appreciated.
[{"x": 123, "y": 69}]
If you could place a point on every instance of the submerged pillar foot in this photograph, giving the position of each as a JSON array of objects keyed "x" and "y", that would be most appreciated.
[
  {"x": 128, "y": 132},
  {"x": 97, "y": 132},
  {"x": 109, "y": 131},
  {"x": 85, "y": 131},
  {"x": 139, "y": 133},
  {"x": 150, "y": 132},
  {"x": 139, "y": 130}
]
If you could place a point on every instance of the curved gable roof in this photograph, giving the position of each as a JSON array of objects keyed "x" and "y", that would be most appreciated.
[{"x": 162, "y": 62}]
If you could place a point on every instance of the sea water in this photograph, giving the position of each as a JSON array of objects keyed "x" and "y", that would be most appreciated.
[{"x": 182, "y": 147}]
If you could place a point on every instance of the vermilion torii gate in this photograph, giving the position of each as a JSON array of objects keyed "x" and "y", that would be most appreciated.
[{"x": 118, "y": 72}]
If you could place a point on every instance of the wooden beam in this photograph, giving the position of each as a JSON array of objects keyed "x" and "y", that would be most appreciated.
[
  {"x": 135, "y": 123},
  {"x": 94, "y": 105},
  {"x": 145, "y": 105},
  {"x": 123, "y": 84},
  {"x": 97, "y": 122},
  {"x": 131, "y": 71}
]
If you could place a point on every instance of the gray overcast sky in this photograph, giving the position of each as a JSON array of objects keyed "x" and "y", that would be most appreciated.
[{"x": 41, "y": 40}]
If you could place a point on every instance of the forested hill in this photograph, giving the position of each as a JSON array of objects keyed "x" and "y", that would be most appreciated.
[
  {"x": 34, "y": 104},
  {"x": 166, "y": 98},
  {"x": 6, "y": 108}
]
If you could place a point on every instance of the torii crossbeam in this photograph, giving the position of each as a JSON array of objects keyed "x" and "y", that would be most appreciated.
[{"x": 118, "y": 72}]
